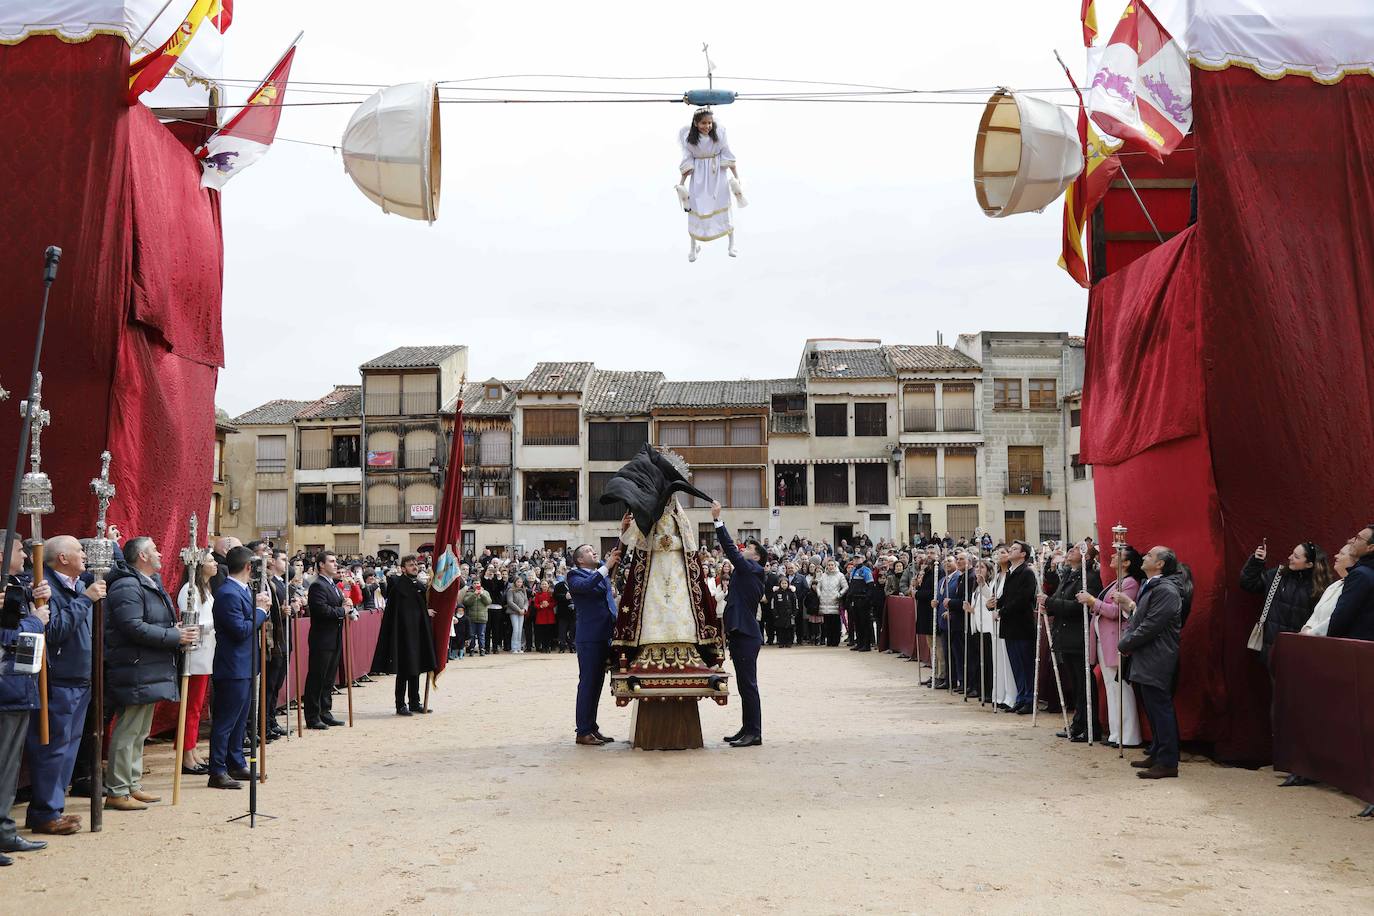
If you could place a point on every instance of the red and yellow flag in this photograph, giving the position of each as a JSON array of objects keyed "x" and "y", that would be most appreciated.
[
  {"x": 221, "y": 14},
  {"x": 146, "y": 72},
  {"x": 1089, "y": 17},
  {"x": 1100, "y": 165}
]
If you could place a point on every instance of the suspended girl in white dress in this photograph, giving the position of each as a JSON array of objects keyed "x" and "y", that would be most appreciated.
[{"x": 705, "y": 189}]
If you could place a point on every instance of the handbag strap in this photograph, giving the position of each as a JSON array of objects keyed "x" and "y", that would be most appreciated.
[{"x": 1269, "y": 599}]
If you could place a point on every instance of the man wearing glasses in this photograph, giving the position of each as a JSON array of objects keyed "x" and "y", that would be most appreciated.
[{"x": 1353, "y": 617}]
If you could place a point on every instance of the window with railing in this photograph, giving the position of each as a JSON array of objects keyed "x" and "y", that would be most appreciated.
[
  {"x": 1027, "y": 483},
  {"x": 550, "y": 497},
  {"x": 922, "y": 485},
  {"x": 271, "y": 452},
  {"x": 383, "y": 504},
  {"x": 789, "y": 485},
  {"x": 832, "y": 419},
  {"x": 870, "y": 419},
  {"x": 960, "y": 419},
  {"x": 1006, "y": 393},
  {"x": 314, "y": 459},
  {"x": 271, "y": 508},
  {"x": 549, "y": 426},
  {"x": 918, "y": 420},
  {"x": 1050, "y": 529},
  {"x": 710, "y": 433},
  {"x": 870, "y": 484},
  {"x": 493, "y": 449},
  {"x": 961, "y": 521},
  {"x": 345, "y": 451},
  {"x": 737, "y": 488},
  {"x": 1043, "y": 394},
  {"x": 832, "y": 484},
  {"x": 615, "y": 441},
  {"x": 425, "y": 400},
  {"x": 1080, "y": 471}
]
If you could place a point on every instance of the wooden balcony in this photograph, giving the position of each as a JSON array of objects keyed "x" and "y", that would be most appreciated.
[{"x": 723, "y": 455}]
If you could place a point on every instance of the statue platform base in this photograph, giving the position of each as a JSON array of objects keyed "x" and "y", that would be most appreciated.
[{"x": 666, "y": 724}]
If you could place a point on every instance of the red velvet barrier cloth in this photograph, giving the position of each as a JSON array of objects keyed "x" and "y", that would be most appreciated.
[
  {"x": 133, "y": 335},
  {"x": 900, "y": 630},
  {"x": 1324, "y": 711},
  {"x": 1260, "y": 322}
]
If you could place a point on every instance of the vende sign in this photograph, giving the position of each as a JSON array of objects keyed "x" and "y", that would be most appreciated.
[{"x": 422, "y": 513}]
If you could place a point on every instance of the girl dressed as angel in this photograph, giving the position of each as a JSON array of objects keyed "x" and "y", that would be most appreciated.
[{"x": 705, "y": 189}]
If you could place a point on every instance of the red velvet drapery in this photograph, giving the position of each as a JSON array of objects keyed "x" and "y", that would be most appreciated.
[
  {"x": 133, "y": 338},
  {"x": 1230, "y": 380}
]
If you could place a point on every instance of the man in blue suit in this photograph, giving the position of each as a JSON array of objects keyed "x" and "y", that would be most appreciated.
[
  {"x": 742, "y": 627},
  {"x": 238, "y": 614},
  {"x": 590, "y": 585}
]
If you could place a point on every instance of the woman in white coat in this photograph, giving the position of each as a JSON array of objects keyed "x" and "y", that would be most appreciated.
[
  {"x": 705, "y": 190},
  {"x": 200, "y": 661},
  {"x": 831, "y": 586}
]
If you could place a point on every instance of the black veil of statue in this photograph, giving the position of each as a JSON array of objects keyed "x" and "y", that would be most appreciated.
[{"x": 646, "y": 484}]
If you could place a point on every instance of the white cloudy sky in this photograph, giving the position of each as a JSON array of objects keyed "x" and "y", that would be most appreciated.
[{"x": 560, "y": 236}]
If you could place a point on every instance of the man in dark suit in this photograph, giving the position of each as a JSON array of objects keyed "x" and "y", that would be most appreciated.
[
  {"x": 590, "y": 584},
  {"x": 327, "y": 609},
  {"x": 1017, "y": 623},
  {"x": 1066, "y": 625},
  {"x": 742, "y": 627},
  {"x": 238, "y": 614},
  {"x": 1353, "y": 617},
  {"x": 1150, "y": 641}
]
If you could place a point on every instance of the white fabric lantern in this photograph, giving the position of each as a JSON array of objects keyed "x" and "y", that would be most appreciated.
[
  {"x": 1027, "y": 153},
  {"x": 391, "y": 150}
]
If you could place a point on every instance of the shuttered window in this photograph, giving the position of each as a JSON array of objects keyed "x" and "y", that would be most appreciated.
[
  {"x": 832, "y": 419},
  {"x": 832, "y": 484},
  {"x": 271, "y": 509},
  {"x": 870, "y": 419},
  {"x": 870, "y": 484},
  {"x": 962, "y": 521},
  {"x": 271, "y": 454},
  {"x": 550, "y": 425}
]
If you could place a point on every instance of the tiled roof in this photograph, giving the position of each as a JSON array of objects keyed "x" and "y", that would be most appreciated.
[
  {"x": 621, "y": 392},
  {"x": 280, "y": 411},
  {"x": 915, "y": 357},
  {"x": 413, "y": 357},
  {"x": 557, "y": 377},
  {"x": 476, "y": 404},
  {"x": 343, "y": 401},
  {"x": 849, "y": 364},
  {"x": 728, "y": 393},
  {"x": 1077, "y": 341}
]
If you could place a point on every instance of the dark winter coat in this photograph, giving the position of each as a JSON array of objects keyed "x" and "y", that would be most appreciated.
[
  {"x": 1066, "y": 614},
  {"x": 68, "y": 633},
  {"x": 1016, "y": 607},
  {"x": 1151, "y": 636},
  {"x": 142, "y": 642},
  {"x": 405, "y": 645},
  {"x": 1293, "y": 601},
  {"x": 18, "y": 692},
  {"x": 784, "y": 608}
]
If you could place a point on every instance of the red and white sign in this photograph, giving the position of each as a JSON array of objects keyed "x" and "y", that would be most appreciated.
[{"x": 422, "y": 513}]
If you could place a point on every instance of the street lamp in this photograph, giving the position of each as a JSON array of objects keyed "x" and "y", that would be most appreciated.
[
  {"x": 896, "y": 460},
  {"x": 436, "y": 470}
]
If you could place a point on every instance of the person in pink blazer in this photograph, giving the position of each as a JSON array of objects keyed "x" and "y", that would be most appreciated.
[{"x": 1123, "y": 717}]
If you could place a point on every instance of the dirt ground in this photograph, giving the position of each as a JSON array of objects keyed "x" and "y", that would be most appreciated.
[{"x": 870, "y": 795}]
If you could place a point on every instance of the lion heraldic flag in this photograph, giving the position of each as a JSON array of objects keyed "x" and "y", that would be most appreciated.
[
  {"x": 1142, "y": 92},
  {"x": 245, "y": 139}
]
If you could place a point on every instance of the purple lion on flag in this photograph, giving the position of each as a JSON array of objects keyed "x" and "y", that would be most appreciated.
[
  {"x": 1168, "y": 99},
  {"x": 223, "y": 162},
  {"x": 1116, "y": 84}
]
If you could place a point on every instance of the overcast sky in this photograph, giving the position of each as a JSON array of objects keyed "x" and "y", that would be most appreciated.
[{"x": 559, "y": 235}]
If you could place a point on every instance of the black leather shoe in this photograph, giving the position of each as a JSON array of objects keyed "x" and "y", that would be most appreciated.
[
  {"x": 223, "y": 781},
  {"x": 403, "y": 711},
  {"x": 19, "y": 844},
  {"x": 241, "y": 774},
  {"x": 331, "y": 721},
  {"x": 317, "y": 725},
  {"x": 942, "y": 685},
  {"x": 1295, "y": 780},
  {"x": 747, "y": 741},
  {"x": 5, "y": 860},
  {"x": 603, "y": 738},
  {"x": 1023, "y": 710},
  {"x": 1079, "y": 739},
  {"x": 419, "y": 710},
  {"x": 1061, "y": 734},
  {"x": 735, "y": 737},
  {"x": 1144, "y": 763},
  {"x": 199, "y": 769}
]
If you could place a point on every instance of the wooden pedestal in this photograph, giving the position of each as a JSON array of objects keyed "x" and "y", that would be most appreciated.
[{"x": 666, "y": 725}]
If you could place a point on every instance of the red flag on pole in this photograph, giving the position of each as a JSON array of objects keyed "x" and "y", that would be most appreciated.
[
  {"x": 448, "y": 548},
  {"x": 1100, "y": 165},
  {"x": 245, "y": 139},
  {"x": 1088, "y": 14}
]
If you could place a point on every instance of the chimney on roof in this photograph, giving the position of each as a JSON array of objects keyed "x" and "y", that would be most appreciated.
[
  {"x": 814, "y": 357},
  {"x": 939, "y": 338}
]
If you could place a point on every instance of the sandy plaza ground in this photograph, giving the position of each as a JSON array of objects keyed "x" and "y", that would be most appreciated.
[{"x": 870, "y": 795}]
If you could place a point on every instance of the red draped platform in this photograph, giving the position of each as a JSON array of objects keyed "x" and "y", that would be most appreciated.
[
  {"x": 1229, "y": 392},
  {"x": 133, "y": 341}
]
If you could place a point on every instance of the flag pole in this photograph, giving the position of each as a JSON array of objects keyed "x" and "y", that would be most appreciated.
[
  {"x": 133, "y": 47},
  {"x": 1143, "y": 209}
]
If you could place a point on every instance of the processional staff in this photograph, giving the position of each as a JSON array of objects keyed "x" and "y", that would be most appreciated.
[
  {"x": 35, "y": 501},
  {"x": 192, "y": 557},
  {"x": 1119, "y": 548},
  {"x": 100, "y": 559}
]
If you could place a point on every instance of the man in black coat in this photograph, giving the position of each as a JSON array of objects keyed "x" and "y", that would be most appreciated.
[
  {"x": 327, "y": 608},
  {"x": 405, "y": 645},
  {"x": 1017, "y": 624},
  {"x": 742, "y": 627},
  {"x": 1353, "y": 617},
  {"x": 1066, "y": 625},
  {"x": 142, "y": 648},
  {"x": 1150, "y": 642},
  {"x": 770, "y": 580}
]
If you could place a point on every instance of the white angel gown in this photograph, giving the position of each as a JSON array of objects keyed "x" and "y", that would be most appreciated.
[{"x": 708, "y": 187}]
